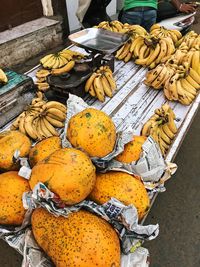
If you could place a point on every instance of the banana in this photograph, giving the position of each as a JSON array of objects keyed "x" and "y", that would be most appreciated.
[
  {"x": 155, "y": 26},
  {"x": 192, "y": 81},
  {"x": 98, "y": 87},
  {"x": 64, "y": 69},
  {"x": 195, "y": 76},
  {"x": 134, "y": 43},
  {"x": 162, "y": 77},
  {"x": 174, "y": 37},
  {"x": 110, "y": 80},
  {"x": 153, "y": 74},
  {"x": 92, "y": 91},
  {"x": 119, "y": 52},
  {"x": 46, "y": 58},
  {"x": 128, "y": 57},
  {"x": 172, "y": 87},
  {"x": 63, "y": 61},
  {"x": 38, "y": 125},
  {"x": 106, "y": 86},
  {"x": 154, "y": 55},
  {"x": 54, "y": 122},
  {"x": 166, "y": 90},
  {"x": 138, "y": 47},
  {"x": 56, "y": 113},
  {"x": 172, "y": 125},
  {"x": 125, "y": 51},
  {"x": 163, "y": 146},
  {"x": 90, "y": 81},
  {"x": 55, "y": 104},
  {"x": 187, "y": 87},
  {"x": 178, "y": 33},
  {"x": 47, "y": 127},
  {"x": 49, "y": 63},
  {"x": 28, "y": 126},
  {"x": 56, "y": 63},
  {"x": 167, "y": 131},
  {"x": 66, "y": 55},
  {"x": 196, "y": 62},
  {"x": 146, "y": 128},
  {"x": 15, "y": 124},
  {"x": 3, "y": 77},
  {"x": 170, "y": 46},
  {"x": 143, "y": 51},
  {"x": 163, "y": 51},
  {"x": 164, "y": 136},
  {"x": 21, "y": 123}
]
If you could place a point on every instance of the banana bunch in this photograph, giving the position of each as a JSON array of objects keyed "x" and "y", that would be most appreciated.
[
  {"x": 3, "y": 77},
  {"x": 161, "y": 127},
  {"x": 41, "y": 81},
  {"x": 40, "y": 118},
  {"x": 114, "y": 26},
  {"x": 161, "y": 32},
  {"x": 125, "y": 52},
  {"x": 134, "y": 30},
  {"x": 101, "y": 83},
  {"x": 191, "y": 39},
  {"x": 150, "y": 51},
  {"x": 182, "y": 88}
]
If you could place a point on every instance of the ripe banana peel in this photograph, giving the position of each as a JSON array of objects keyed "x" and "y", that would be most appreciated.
[{"x": 3, "y": 77}]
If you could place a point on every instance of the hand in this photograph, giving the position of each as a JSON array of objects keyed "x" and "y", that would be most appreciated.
[{"x": 187, "y": 8}]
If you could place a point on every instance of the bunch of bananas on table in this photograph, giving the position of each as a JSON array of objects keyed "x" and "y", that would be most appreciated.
[
  {"x": 179, "y": 76},
  {"x": 191, "y": 39},
  {"x": 61, "y": 62},
  {"x": 161, "y": 127},
  {"x": 101, "y": 83},
  {"x": 146, "y": 51},
  {"x": 3, "y": 77},
  {"x": 161, "y": 32},
  {"x": 40, "y": 118}
]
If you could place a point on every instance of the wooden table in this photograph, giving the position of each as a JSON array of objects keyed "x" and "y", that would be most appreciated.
[{"x": 133, "y": 103}]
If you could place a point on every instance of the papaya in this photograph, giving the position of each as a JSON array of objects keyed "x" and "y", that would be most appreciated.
[
  {"x": 132, "y": 150},
  {"x": 80, "y": 240},
  {"x": 93, "y": 131},
  {"x": 43, "y": 149},
  {"x": 10, "y": 141},
  {"x": 122, "y": 186},
  {"x": 67, "y": 172},
  {"x": 12, "y": 187}
]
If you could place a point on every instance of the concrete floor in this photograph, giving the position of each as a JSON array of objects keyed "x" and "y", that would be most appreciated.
[{"x": 177, "y": 210}]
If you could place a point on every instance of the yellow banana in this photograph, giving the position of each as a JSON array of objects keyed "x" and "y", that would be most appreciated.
[
  {"x": 66, "y": 55},
  {"x": 55, "y": 104},
  {"x": 170, "y": 46},
  {"x": 125, "y": 51},
  {"x": 90, "y": 81},
  {"x": 92, "y": 91},
  {"x": 172, "y": 125},
  {"x": 153, "y": 74},
  {"x": 146, "y": 128},
  {"x": 154, "y": 55},
  {"x": 46, "y": 58},
  {"x": 28, "y": 126},
  {"x": 3, "y": 77},
  {"x": 111, "y": 80},
  {"x": 160, "y": 80},
  {"x": 54, "y": 122},
  {"x": 49, "y": 63},
  {"x": 15, "y": 124},
  {"x": 164, "y": 136},
  {"x": 173, "y": 36},
  {"x": 192, "y": 81},
  {"x": 167, "y": 131},
  {"x": 47, "y": 128},
  {"x": 163, "y": 51},
  {"x": 187, "y": 87},
  {"x": 155, "y": 26},
  {"x": 178, "y": 33},
  {"x": 56, "y": 113},
  {"x": 196, "y": 62},
  {"x": 98, "y": 87},
  {"x": 195, "y": 76},
  {"x": 128, "y": 57},
  {"x": 119, "y": 52},
  {"x": 38, "y": 125},
  {"x": 134, "y": 43},
  {"x": 138, "y": 46},
  {"x": 106, "y": 86},
  {"x": 64, "y": 69},
  {"x": 21, "y": 123}
]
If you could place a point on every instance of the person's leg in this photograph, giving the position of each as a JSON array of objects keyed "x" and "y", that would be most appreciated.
[
  {"x": 132, "y": 17},
  {"x": 149, "y": 18}
]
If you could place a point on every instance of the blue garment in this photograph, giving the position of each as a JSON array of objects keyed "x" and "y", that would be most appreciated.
[{"x": 145, "y": 18}]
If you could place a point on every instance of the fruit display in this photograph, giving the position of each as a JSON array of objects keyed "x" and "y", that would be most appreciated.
[
  {"x": 44, "y": 149},
  {"x": 67, "y": 172},
  {"x": 122, "y": 186},
  {"x": 12, "y": 186},
  {"x": 161, "y": 127},
  {"x": 159, "y": 31},
  {"x": 40, "y": 118},
  {"x": 10, "y": 142},
  {"x": 132, "y": 150},
  {"x": 191, "y": 39},
  {"x": 101, "y": 83},
  {"x": 93, "y": 131},
  {"x": 81, "y": 239},
  {"x": 3, "y": 77}
]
